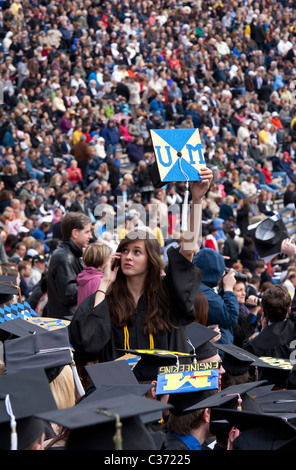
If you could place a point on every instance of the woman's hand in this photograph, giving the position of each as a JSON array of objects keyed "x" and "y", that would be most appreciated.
[
  {"x": 199, "y": 188},
  {"x": 110, "y": 271}
]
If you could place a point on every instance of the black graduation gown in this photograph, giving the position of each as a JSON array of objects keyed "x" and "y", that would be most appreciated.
[
  {"x": 276, "y": 340},
  {"x": 94, "y": 338}
]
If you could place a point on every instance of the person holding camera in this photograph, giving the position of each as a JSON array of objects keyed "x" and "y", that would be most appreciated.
[
  {"x": 217, "y": 285},
  {"x": 249, "y": 309}
]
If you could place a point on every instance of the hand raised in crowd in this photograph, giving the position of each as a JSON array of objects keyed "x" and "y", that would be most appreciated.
[
  {"x": 199, "y": 188},
  {"x": 229, "y": 281},
  {"x": 288, "y": 247}
]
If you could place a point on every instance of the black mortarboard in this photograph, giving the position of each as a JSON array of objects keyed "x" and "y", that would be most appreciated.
[
  {"x": 268, "y": 236},
  {"x": 8, "y": 288},
  {"x": 93, "y": 425},
  {"x": 198, "y": 340},
  {"x": 107, "y": 374},
  {"x": 235, "y": 360},
  {"x": 48, "y": 349},
  {"x": 18, "y": 328},
  {"x": 233, "y": 397},
  {"x": 258, "y": 431},
  {"x": 230, "y": 397},
  {"x": 277, "y": 401},
  {"x": 151, "y": 360},
  {"x": 22, "y": 395},
  {"x": 111, "y": 372}
]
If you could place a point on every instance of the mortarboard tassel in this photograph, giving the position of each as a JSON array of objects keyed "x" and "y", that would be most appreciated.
[
  {"x": 186, "y": 197},
  {"x": 117, "y": 438},
  {"x": 191, "y": 345},
  {"x": 12, "y": 423},
  {"x": 77, "y": 380}
]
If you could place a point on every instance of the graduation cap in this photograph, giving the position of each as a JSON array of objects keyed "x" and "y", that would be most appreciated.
[
  {"x": 233, "y": 397},
  {"x": 199, "y": 341},
  {"x": 188, "y": 384},
  {"x": 276, "y": 371},
  {"x": 178, "y": 153},
  {"x": 230, "y": 397},
  {"x": 235, "y": 360},
  {"x": 107, "y": 374},
  {"x": 17, "y": 328},
  {"x": 268, "y": 236},
  {"x": 16, "y": 310},
  {"x": 9, "y": 288},
  {"x": 258, "y": 431},
  {"x": 277, "y": 401},
  {"x": 146, "y": 369},
  {"x": 179, "y": 157},
  {"x": 48, "y": 349},
  {"x": 49, "y": 323},
  {"x": 107, "y": 423},
  {"x": 22, "y": 395}
]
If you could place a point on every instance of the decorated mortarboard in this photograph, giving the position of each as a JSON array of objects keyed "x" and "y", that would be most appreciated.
[
  {"x": 178, "y": 153},
  {"x": 22, "y": 396},
  {"x": 258, "y": 431},
  {"x": 146, "y": 369},
  {"x": 179, "y": 157},
  {"x": 188, "y": 384},
  {"x": 268, "y": 236},
  {"x": 17, "y": 310},
  {"x": 275, "y": 370},
  {"x": 199, "y": 341},
  {"x": 49, "y": 323},
  {"x": 107, "y": 423}
]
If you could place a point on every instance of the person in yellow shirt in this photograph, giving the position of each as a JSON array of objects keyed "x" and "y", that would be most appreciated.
[
  {"x": 15, "y": 6},
  {"x": 77, "y": 134},
  {"x": 157, "y": 231},
  {"x": 266, "y": 147}
]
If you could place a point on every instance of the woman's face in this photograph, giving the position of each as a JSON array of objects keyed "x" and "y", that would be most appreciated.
[
  {"x": 134, "y": 259},
  {"x": 240, "y": 291}
]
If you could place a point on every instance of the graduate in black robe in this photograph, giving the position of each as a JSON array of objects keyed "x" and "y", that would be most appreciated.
[{"x": 138, "y": 306}]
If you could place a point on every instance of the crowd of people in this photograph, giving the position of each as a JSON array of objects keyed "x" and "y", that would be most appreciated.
[{"x": 82, "y": 84}]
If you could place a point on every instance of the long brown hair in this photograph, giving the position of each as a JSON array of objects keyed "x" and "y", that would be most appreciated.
[{"x": 122, "y": 306}]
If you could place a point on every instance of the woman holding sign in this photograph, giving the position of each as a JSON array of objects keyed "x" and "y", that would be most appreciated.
[{"x": 137, "y": 305}]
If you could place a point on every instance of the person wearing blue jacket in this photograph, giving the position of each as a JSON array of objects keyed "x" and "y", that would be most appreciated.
[
  {"x": 111, "y": 136},
  {"x": 223, "y": 304}
]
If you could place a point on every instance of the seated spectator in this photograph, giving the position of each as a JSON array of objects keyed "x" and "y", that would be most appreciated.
[
  {"x": 75, "y": 175},
  {"x": 135, "y": 150},
  {"x": 248, "y": 187},
  {"x": 226, "y": 210},
  {"x": 38, "y": 268}
]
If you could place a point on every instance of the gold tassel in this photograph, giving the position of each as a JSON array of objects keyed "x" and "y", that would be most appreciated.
[{"x": 126, "y": 337}]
